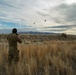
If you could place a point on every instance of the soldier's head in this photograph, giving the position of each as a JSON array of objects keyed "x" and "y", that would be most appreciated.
[{"x": 14, "y": 31}]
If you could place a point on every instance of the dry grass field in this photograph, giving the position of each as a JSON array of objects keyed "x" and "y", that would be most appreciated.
[{"x": 47, "y": 57}]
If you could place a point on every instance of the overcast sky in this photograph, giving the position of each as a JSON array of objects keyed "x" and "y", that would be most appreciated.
[{"x": 58, "y": 16}]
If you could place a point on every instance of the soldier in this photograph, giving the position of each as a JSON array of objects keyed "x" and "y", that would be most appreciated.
[{"x": 13, "y": 53}]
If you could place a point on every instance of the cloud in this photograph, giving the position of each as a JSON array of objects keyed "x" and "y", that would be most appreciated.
[
  {"x": 68, "y": 29},
  {"x": 61, "y": 14},
  {"x": 24, "y": 8},
  {"x": 64, "y": 14},
  {"x": 62, "y": 26},
  {"x": 23, "y": 13}
]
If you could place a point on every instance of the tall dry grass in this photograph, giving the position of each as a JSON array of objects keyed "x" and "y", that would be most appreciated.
[{"x": 48, "y": 58}]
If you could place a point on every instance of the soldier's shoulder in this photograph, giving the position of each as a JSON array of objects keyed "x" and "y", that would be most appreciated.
[
  {"x": 11, "y": 35},
  {"x": 8, "y": 36}
]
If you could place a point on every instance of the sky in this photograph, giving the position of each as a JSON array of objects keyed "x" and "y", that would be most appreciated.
[{"x": 55, "y": 16}]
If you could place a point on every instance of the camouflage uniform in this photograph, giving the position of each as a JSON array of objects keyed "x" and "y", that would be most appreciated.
[{"x": 13, "y": 53}]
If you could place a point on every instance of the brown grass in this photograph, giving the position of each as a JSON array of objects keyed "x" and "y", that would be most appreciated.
[{"x": 47, "y": 58}]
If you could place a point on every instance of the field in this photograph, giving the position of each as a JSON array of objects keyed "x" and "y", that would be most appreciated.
[{"x": 41, "y": 55}]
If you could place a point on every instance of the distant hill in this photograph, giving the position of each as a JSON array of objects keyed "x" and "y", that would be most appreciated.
[
  {"x": 32, "y": 32},
  {"x": 42, "y": 36}
]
